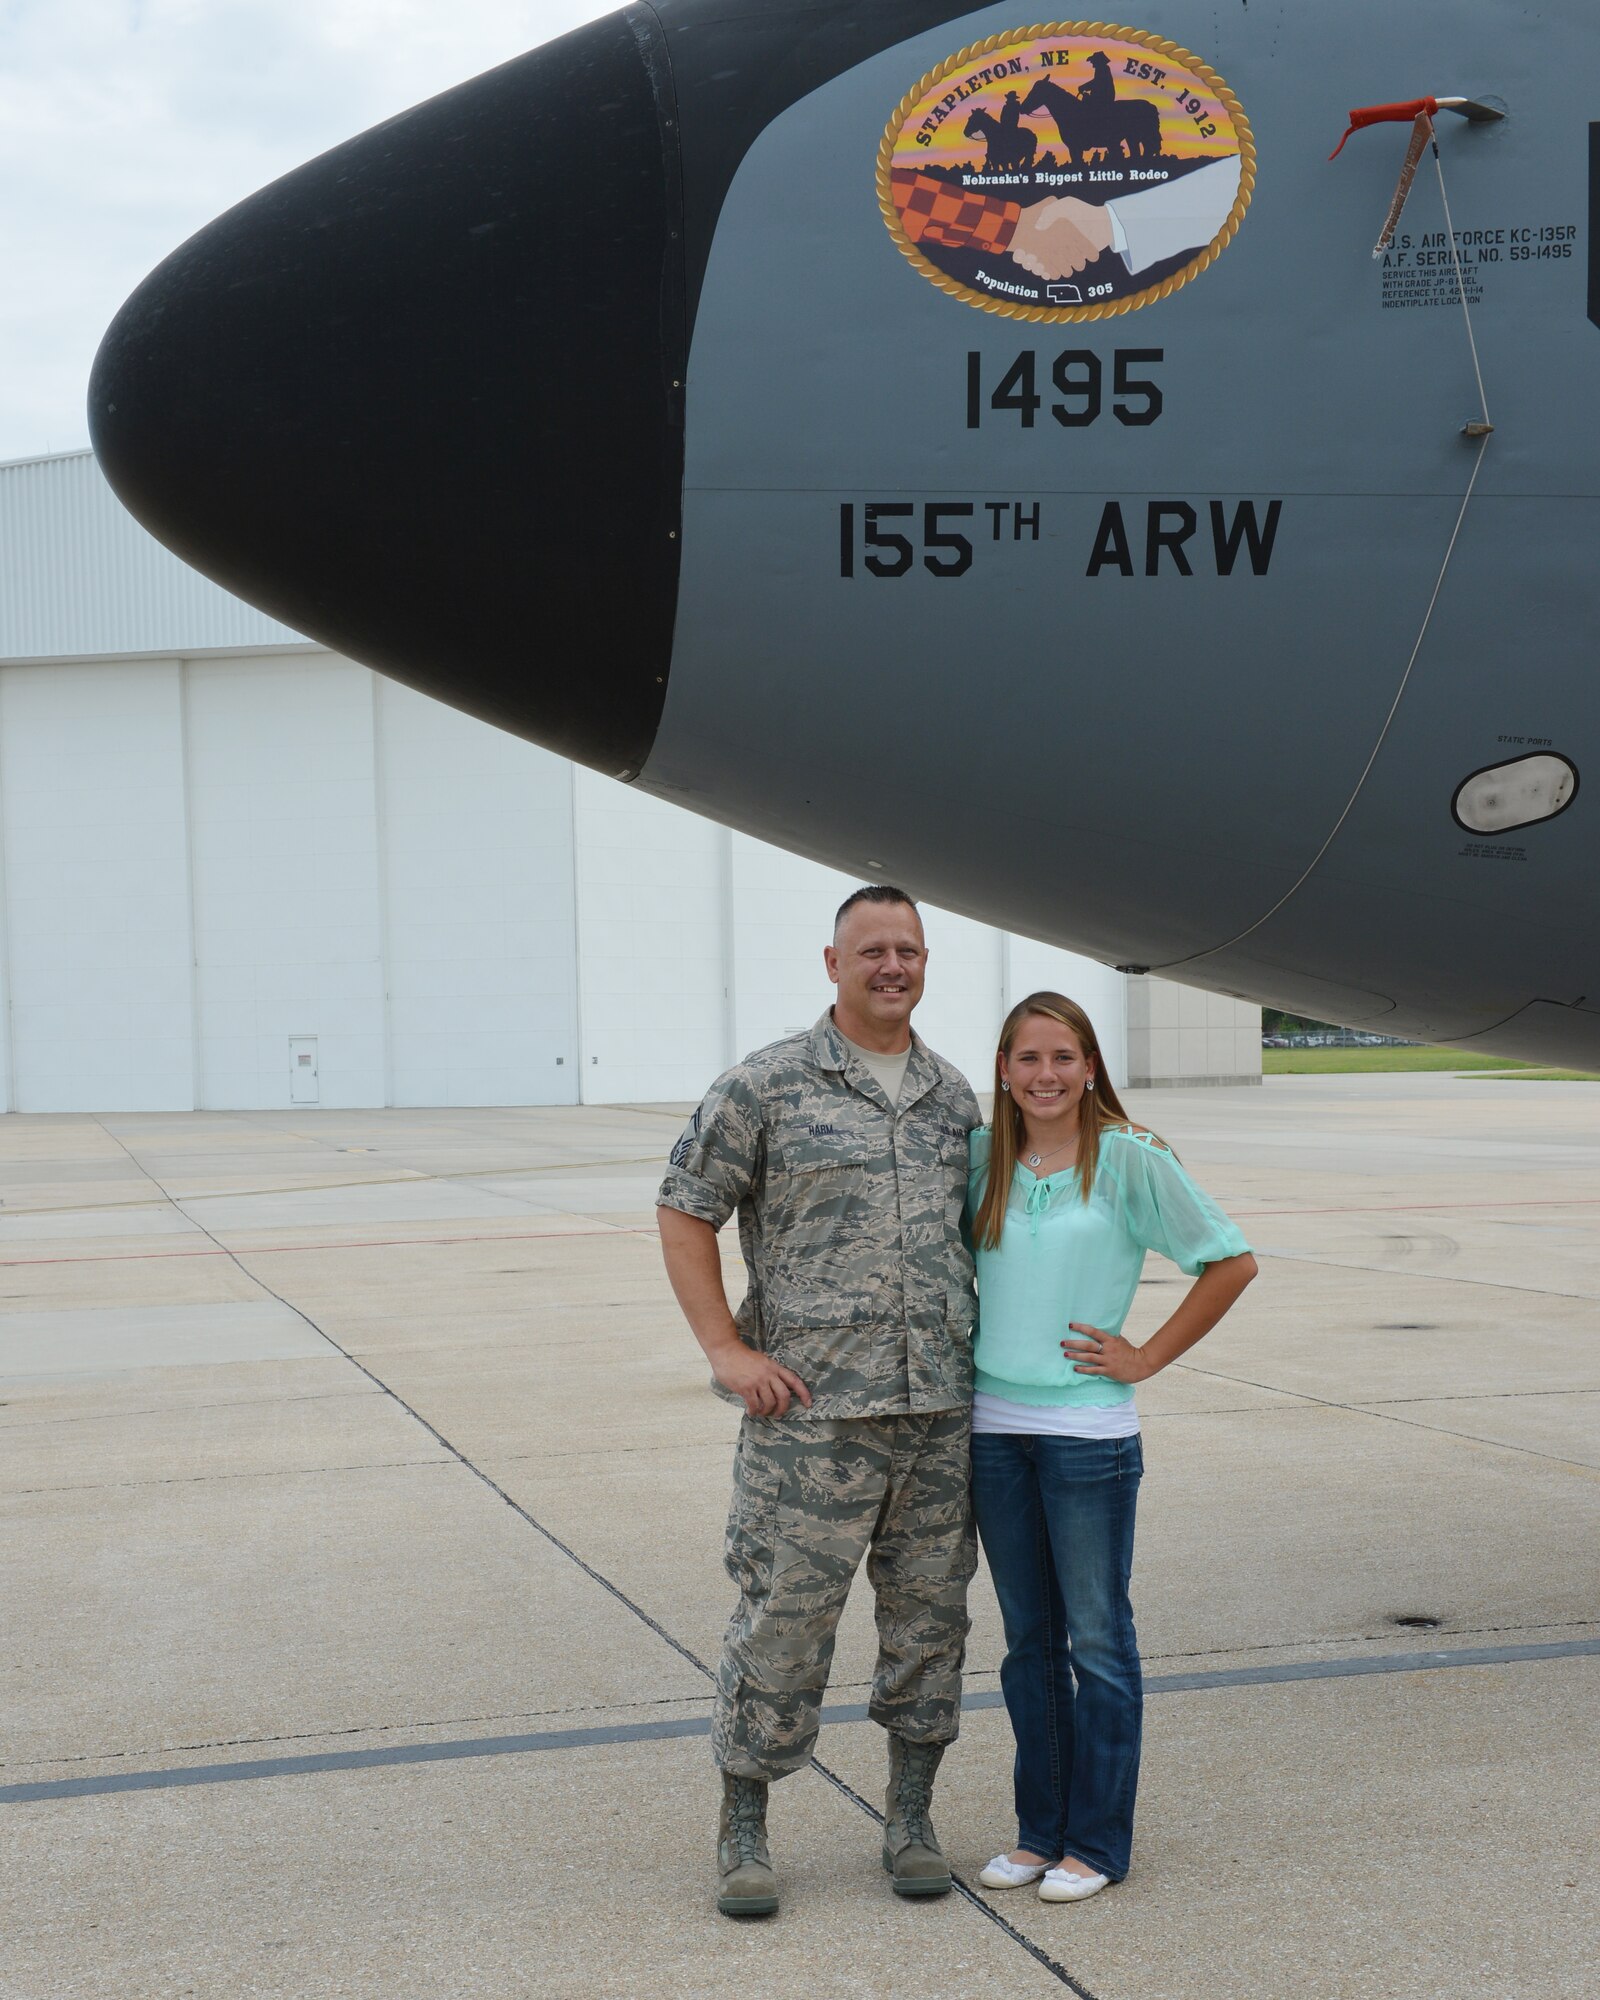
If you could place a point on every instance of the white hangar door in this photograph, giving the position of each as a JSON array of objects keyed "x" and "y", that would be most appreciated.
[
  {"x": 382, "y": 879},
  {"x": 95, "y": 944},
  {"x": 477, "y": 846}
]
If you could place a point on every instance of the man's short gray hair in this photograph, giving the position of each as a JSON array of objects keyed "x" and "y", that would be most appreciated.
[{"x": 873, "y": 892}]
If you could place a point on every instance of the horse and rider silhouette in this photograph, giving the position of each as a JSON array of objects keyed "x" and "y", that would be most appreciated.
[
  {"x": 1010, "y": 144},
  {"x": 1090, "y": 120}
]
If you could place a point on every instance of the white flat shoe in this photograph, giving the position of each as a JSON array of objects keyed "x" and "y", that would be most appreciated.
[
  {"x": 1004, "y": 1873},
  {"x": 1060, "y": 1885}
]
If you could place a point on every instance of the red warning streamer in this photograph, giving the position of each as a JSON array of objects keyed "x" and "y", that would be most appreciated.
[{"x": 1386, "y": 114}]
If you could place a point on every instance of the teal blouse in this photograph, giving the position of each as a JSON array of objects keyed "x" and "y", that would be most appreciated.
[{"x": 1061, "y": 1259}]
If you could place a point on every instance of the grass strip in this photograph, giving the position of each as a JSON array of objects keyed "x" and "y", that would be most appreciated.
[{"x": 1370, "y": 1062}]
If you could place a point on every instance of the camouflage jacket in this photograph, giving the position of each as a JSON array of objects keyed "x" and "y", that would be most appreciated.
[{"x": 849, "y": 1219}]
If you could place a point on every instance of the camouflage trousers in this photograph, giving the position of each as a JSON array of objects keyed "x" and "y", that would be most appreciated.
[{"x": 810, "y": 1498}]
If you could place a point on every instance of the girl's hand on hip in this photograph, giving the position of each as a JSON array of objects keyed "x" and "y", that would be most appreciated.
[{"x": 1106, "y": 1354}]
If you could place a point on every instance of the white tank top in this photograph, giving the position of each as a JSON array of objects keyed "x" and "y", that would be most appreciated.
[{"x": 1066, "y": 1420}]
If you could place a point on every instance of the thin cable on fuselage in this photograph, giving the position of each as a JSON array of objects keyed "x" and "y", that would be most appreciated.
[
  {"x": 1371, "y": 760},
  {"x": 1438, "y": 584},
  {"x": 1461, "y": 290}
]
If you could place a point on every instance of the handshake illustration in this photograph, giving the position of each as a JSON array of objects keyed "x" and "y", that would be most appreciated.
[{"x": 1061, "y": 236}]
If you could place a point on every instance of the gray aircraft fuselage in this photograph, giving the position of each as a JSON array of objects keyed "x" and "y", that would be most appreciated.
[{"x": 1109, "y": 605}]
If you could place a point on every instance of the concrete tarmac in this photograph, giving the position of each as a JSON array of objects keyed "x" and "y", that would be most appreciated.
[{"x": 361, "y": 1503}]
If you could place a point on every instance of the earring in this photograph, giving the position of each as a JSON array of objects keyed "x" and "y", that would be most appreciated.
[
  {"x": 1089, "y": 1084},
  {"x": 1005, "y": 1086}
]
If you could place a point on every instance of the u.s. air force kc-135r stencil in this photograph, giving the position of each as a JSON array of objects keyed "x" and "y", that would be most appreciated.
[{"x": 1066, "y": 172}]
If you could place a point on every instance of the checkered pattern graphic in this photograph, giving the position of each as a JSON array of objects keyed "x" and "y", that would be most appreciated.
[{"x": 936, "y": 211}]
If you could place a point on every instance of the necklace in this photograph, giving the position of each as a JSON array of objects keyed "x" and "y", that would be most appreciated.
[{"x": 1036, "y": 1160}]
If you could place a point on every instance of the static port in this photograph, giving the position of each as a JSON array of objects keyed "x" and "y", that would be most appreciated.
[{"x": 1521, "y": 793}]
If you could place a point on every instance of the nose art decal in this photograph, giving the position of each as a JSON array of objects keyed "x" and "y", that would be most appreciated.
[{"x": 1066, "y": 172}]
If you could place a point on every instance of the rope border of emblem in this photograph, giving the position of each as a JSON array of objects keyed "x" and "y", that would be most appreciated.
[{"x": 1068, "y": 315}]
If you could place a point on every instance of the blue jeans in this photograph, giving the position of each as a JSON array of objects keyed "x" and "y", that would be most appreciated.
[{"x": 1056, "y": 1518}]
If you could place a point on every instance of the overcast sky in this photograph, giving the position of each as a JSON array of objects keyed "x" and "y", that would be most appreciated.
[{"x": 126, "y": 124}]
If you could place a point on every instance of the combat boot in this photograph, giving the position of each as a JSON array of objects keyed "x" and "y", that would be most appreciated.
[
  {"x": 747, "y": 1886},
  {"x": 911, "y": 1850}
]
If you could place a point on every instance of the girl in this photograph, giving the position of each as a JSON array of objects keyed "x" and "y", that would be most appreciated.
[{"x": 1066, "y": 1195}]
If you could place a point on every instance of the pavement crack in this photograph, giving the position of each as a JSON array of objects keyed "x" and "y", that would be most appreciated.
[
  {"x": 209, "y": 1478},
  {"x": 181, "y": 1410},
  {"x": 964, "y": 1889},
  {"x": 1299, "y": 1648},
  {"x": 1291, "y": 1401},
  {"x": 338, "y": 1729},
  {"x": 1421, "y": 1277},
  {"x": 1382, "y": 1415},
  {"x": 613, "y": 1451},
  {"x": 1483, "y": 1396}
]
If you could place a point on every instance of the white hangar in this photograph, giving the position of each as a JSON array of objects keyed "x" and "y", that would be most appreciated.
[{"x": 240, "y": 872}]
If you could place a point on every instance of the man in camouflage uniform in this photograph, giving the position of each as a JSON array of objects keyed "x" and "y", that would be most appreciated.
[{"x": 844, "y": 1153}]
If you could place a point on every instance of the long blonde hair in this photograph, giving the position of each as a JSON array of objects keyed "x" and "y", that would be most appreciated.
[{"x": 1097, "y": 1109}]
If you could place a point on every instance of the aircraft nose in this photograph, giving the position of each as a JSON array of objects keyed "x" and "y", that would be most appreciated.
[{"x": 421, "y": 398}]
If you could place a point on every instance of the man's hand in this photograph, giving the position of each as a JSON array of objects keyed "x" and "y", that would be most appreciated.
[
  {"x": 765, "y": 1386},
  {"x": 1060, "y": 236},
  {"x": 695, "y": 1269}
]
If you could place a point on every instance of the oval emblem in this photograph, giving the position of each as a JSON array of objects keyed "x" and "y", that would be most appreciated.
[{"x": 1066, "y": 172}]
